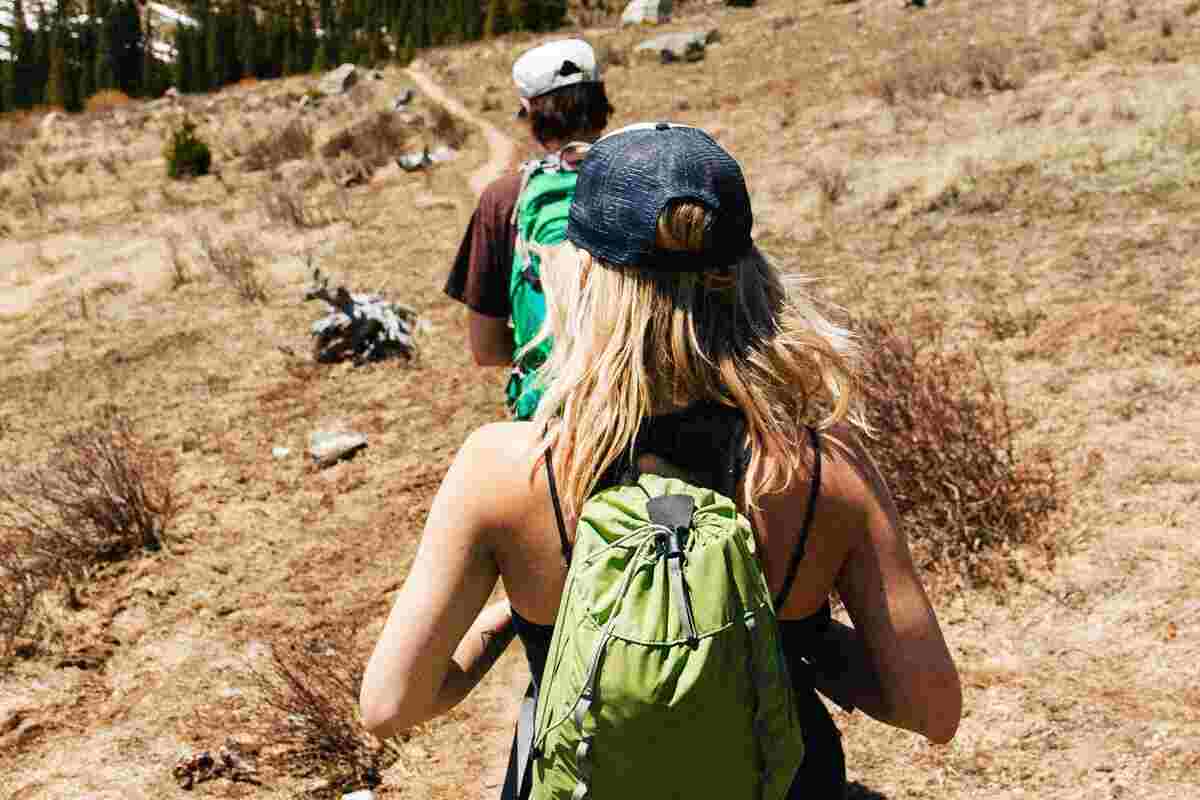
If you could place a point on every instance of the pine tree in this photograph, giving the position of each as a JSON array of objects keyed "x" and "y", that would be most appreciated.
[
  {"x": 328, "y": 51},
  {"x": 308, "y": 38},
  {"x": 184, "y": 79},
  {"x": 198, "y": 39},
  {"x": 56, "y": 68},
  {"x": 247, "y": 40},
  {"x": 104, "y": 71}
]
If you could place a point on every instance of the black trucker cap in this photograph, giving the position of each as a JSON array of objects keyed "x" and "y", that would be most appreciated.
[{"x": 631, "y": 175}]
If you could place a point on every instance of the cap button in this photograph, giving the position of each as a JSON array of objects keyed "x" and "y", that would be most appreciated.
[{"x": 663, "y": 126}]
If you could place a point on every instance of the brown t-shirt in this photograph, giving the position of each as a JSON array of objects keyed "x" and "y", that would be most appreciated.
[{"x": 480, "y": 276}]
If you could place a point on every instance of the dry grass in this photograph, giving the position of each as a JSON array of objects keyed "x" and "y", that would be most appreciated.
[
  {"x": 309, "y": 710},
  {"x": 234, "y": 261},
  {"x": 373, "y": 142},
  {"x": 449, "y": 129},
  {"x": 292, "y": 141},
  {"x": 947, "y": 443},
  {"x": 181, "y": 271},
  {"x": 974, "y": 70},
  {"x": 107, "y": 100}
]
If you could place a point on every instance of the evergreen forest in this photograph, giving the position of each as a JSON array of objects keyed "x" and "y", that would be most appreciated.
[{"x": 60, "y": 54}]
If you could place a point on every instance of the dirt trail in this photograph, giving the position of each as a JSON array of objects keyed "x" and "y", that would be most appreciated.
[{"x": 500, "y": 147}]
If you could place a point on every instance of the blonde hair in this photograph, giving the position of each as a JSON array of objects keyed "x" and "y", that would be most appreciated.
[{"x": 632, "y": 342}]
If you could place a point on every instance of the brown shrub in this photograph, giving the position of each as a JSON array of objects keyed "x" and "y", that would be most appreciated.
[
  {"x": 234, "y": 261},
  {"x": 103, "y": 494},
  {"x": 290, "y": 142},
  {"x": 107, "y": 100},
  {"x": 375, "y": 141},
  {"x": 449, "y": 129},
  {"x": 947, "y": 444},
  {"x": 309, "y": 709}
]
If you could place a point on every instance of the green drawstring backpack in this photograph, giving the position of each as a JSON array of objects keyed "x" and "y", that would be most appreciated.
[{"x": 665, "y": 676}]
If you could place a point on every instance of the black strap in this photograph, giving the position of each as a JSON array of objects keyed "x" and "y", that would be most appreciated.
[
  {"x": 813, "y": 491},
  {"x": 558, "y": 514},
  {"x": 516, "y": 779}
]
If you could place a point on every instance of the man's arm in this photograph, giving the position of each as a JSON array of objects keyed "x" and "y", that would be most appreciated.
[{"x": 491, "y": 340}]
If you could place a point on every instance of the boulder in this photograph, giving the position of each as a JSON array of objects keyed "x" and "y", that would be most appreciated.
[
  {"x": 646, "y": 12},
  {"x": 403, "y": 99},
  {"x": 688, "y": 46},
  {"x": 417, "y": 160},
  {"x": 339, "y": 80},
  {"x": 329, "y": 447}
]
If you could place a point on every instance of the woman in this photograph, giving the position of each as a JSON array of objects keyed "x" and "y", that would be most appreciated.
[{"x": 674, "y": 336}]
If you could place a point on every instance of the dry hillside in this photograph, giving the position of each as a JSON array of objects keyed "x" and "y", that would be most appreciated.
[{"x": 1026, "y": 175}]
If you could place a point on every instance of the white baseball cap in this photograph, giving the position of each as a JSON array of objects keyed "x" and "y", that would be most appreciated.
[{"x": 554, "y": 65}]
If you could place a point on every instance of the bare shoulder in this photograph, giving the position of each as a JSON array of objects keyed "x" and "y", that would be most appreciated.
[
  {"x": 499, "y": 447},
  {"x": 850, "y": 480}
]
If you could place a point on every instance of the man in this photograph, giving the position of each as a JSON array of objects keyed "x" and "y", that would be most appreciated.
[{"x": 563, "y": 101}]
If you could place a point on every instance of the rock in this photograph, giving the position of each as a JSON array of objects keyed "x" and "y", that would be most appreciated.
[
  {"x": 339, "y": 80},
  {"x": 646, "y": 12},
  {"x": 442, "y": 154},
  {"x": 364, "y": 794},
  {"x": 49, "y": 121},
  {"x": 280, "y": 452},
  {"x": 376, "y": 75},
  {"x": 411, "y": 162},
  {"x": 329, "y": 447},
  {"x": 688, "y": 46},
  {"x": 403, "y": 99}
]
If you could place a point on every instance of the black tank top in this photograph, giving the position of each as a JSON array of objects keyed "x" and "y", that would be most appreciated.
[{"x": 689, "y": 439}]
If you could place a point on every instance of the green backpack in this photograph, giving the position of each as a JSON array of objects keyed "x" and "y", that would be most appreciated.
[
  {"x": 666, "y": 677},
  {"x": 540, "y": 217}
]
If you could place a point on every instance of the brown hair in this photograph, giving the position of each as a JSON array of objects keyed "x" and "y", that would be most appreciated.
[
  {"x": 572, "y": 112},
  {"x": 632, "y": 342}
]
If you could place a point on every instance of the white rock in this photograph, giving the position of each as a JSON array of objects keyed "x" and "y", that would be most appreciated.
[
  {"x": 646, "y": 12},
  {"x": 329, "y": 447}
]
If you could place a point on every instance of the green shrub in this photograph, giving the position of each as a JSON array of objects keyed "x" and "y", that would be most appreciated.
[{"x": 186, "y": 153}]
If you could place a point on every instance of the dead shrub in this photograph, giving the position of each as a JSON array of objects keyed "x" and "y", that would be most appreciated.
[
  {"x": 234, "y": 261},
  {"x": 107, "y": 100},
  {"x": 290, "y": 142},
  {"x": 1191, "y": 8},
  {"x": 832, "y": 181},
  {"x": 374, "y": 141},
  {"x": 22, "y": 580},
  {"x": 974, "y": 70},
  {"x": 309, "y": 709},
  {"x": 947, "y": 443},
  {"x": 181, "y": 273},
  {"x": 102, "y": 495},
  {"x": 288, "y": 205},
  {"x": 449, "y": 129}
]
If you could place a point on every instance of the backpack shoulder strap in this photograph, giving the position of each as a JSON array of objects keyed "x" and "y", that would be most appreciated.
[
  {"x": 814, "y": 491},
  {"x": 558, "y": 514}
]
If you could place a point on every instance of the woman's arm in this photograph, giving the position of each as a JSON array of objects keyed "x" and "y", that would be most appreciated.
[
  {"x": 484, "y": 643},
  {"x": 432, "y": 650},
  {"x": 898, "y": 667}
]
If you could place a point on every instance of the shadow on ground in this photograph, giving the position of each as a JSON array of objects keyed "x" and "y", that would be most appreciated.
[{"x": 856, "y": 791}]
